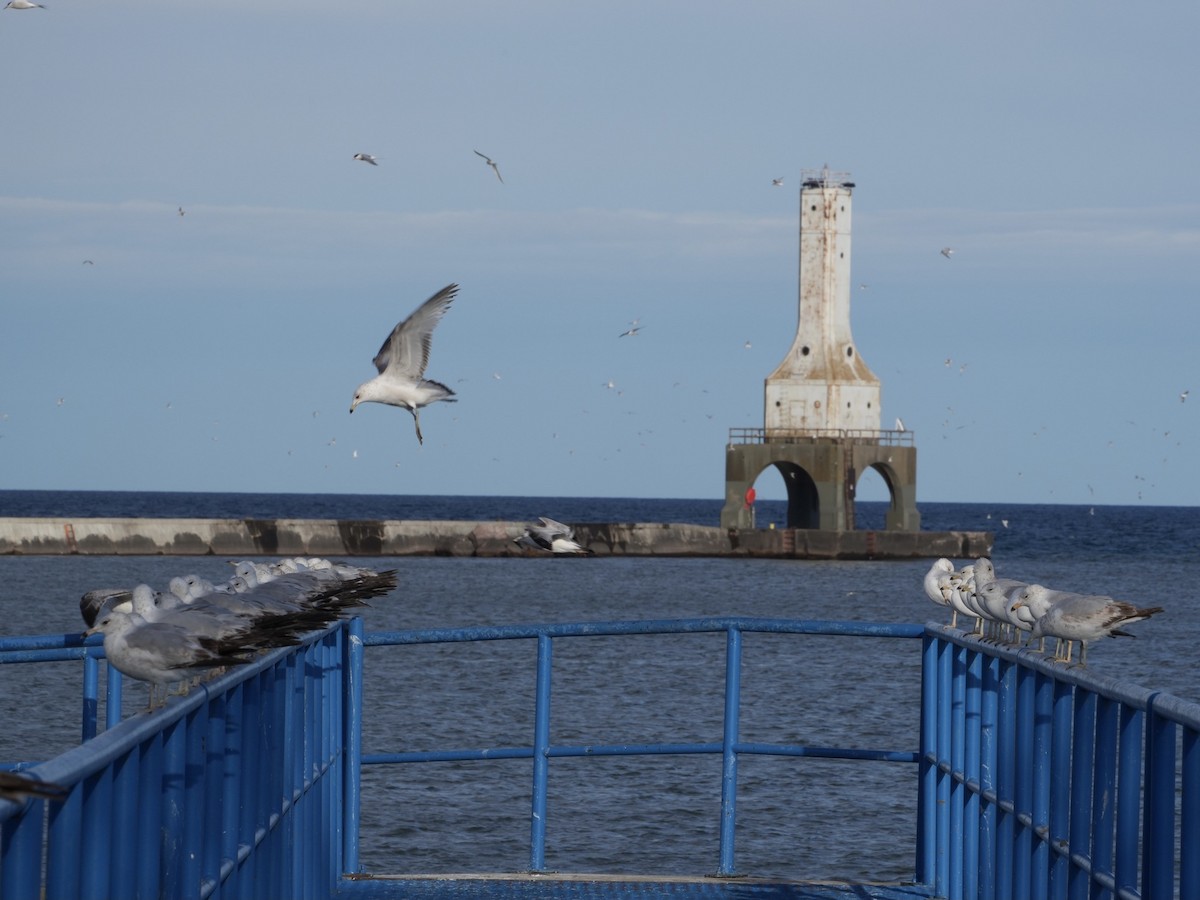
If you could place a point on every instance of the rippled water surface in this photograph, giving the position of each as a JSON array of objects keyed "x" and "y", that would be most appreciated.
[{"x": 817, "y": 818}]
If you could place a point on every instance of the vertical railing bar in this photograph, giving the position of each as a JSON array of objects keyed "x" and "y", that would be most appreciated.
[
  {"x": 541, "y": 754},
  {"x": 971, "y": 772},
  {"x": 1043, "y": 761},
  {"x": 1129, "y": 795},
  {"x": 172, "y": 802},
  {"x": 91, "y": 697},
  {"x": 96, "y": 854},
  {"x": 1022, "y": 789},
  {"x": 1189, "y": 832},
  {"x": 729, "y": 760},
  {"x": 147, "y": 833},
  {"x": 195, "y": 798},
  {"x": 1104, "y": 789},
  {"x": 942, "y": 883},
  {"x": 64, "y": 838},
  {"x": 1006, "y": 760},
  {"x": 1158, "y": 842},
  {"x": 958, "y": 752},
  {"x": 989, "y": 762},
  {"x": 1083, "y": 749},
  {"x": 1060, "y": 786},
  {"x": 927, "y": 848},
  {"x": 113, "y": 696}
]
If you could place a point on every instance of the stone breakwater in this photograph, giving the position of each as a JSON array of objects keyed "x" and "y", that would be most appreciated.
[{"x": 334, "y": 537}]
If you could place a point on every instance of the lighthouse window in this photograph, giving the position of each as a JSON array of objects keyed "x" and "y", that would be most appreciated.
[
  {"x": 804, "y": 351},
  {"x": 813, "y": 207},
  {"x": 849, "y": 351}
]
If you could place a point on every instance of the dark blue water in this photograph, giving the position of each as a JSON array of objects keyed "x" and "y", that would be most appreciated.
[{"x": 813, "y": 818}]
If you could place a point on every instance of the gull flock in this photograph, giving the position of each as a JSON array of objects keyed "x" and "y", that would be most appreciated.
[
  {"x": 1003, "y": 609},
  {"x": 194, "y": 627}
]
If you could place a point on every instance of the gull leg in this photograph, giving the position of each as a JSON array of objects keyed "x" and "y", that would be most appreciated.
[{"x": 417, "y": 422}]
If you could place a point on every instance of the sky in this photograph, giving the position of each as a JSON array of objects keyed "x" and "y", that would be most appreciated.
[{"x": 1052, "y": 146}]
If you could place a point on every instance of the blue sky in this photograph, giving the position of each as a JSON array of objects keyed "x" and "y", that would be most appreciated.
[{"x": 1053, "y": 146}]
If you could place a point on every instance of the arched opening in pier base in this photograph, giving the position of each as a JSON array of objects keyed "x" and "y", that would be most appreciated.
[{"x": 804, "y": 500}]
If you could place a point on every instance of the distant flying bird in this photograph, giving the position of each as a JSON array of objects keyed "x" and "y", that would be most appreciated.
[
  {"x": 495, "y": 168},
  {"x": 900, "y": 424},
  {"x": 632, "y": 332},
  {"x": 777, "y": 182},
  {"x": 747, "y": 345},
  {"x": 1183, "y": 397},
  {"x": 402, "y": 359},
  {"x": 366, "y": 157},
  {"x": 181, "y": 210},
  {"x": 87, "y": 262},
  {"x": 22, "y": 4},
  {"x": 947, "y": 252}
]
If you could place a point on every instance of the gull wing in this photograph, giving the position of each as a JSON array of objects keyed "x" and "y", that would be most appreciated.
[
  {"x": 406, "y": 350},
  {"x": 556, "y": 528}
]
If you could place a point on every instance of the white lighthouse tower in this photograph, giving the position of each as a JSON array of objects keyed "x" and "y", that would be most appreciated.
[
  {"x": 823, "y": 384},
  {"x": 821, "y": 405}
]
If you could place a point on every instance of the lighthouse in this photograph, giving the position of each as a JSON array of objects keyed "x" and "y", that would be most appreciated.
[{"x": 822, "y": 403}]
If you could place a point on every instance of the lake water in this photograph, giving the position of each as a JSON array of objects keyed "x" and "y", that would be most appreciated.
[{"x": 816, "y": 818}]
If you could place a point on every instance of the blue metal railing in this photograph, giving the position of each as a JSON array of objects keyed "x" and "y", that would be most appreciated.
[
  {"x": 1036, "y": 780},
  {"x": 233, "y": 790},
  {"x": 1044, "y": 781},
  {"x": 541, "y": 752}
]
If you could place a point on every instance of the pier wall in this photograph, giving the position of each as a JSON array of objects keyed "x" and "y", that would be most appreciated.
[{"x": 334, "y": 537}]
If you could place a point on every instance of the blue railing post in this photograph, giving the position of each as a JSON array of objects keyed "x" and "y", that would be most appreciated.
[
  {"x": 91, "y": 696},
  {"x": 352, "y": 808},
  {"x": 1158, "y": 864},
  {"x": 541, "y": 755},
  {"x": 733, "y": 686},
  {"x": 927, "y": 846}
]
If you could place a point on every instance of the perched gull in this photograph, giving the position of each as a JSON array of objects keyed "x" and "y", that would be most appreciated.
[
  {"x": 947, "y": 252},
  {"x": 1083, "y": 618},
  {"x": 18, "y": 787},
  {"x": 162, "y": 654},
  {"x": 551, "y": 537},
  {"x": 366, "y": 157},
  {"x": 402, "y": 359},
  {"x": 495, "y": 168}
]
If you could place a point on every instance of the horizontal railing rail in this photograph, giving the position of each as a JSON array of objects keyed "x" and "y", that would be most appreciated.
[
  {"x": 889, "y": 438},
  {"x": 542, "y": 751}
]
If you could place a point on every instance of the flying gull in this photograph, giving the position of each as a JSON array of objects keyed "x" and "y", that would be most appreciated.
[
  {"x": 551, "y": 537},
  {"x": 402, "y": 359},
  {"x": 366, "y": 157},
  {"x": 22, "y": 4},
  {"x": 947, "y": 252},
  {"x": 495, "y": 168},
  {"x": 777, "y": 182}
]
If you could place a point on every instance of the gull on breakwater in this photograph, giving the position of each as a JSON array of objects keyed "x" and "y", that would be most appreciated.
[
  {"x": 402, "y": 360},
  {"x": 549, "y": 536},
  {"x": 165, "y": 638},
  {"x": 1006, "y": 607}
]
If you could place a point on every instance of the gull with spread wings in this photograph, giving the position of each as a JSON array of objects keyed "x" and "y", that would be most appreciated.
[{"x": 402, "y": 359}]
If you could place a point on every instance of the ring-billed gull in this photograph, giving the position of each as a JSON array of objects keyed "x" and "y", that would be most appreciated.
[
  {"x": 551, "y": 537},
  {"x": 1085, "y": 617},
  {"x": 402, "y": 359},
  {"x": 366, "y": 157}
]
